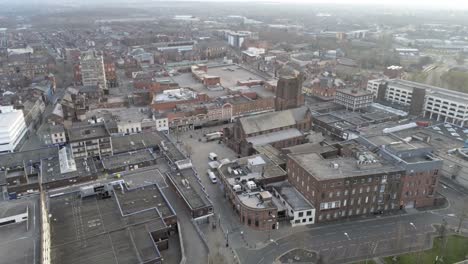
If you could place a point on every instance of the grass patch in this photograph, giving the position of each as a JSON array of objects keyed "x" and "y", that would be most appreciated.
[{"x": 456, "y": 250}]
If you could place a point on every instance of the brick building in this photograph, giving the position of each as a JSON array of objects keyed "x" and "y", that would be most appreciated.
[
  {"x": 289, "y": 92},
  {"x": 365, "y": 176},
  {"x": 281, "y": 129}
]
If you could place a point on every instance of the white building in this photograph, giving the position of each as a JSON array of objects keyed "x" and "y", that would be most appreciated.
[
  {"x": 12, "y": 128},
  {"x": 439, "y": 103},
  {"x": 162, "y": 123},
  {"x": 353, "y": 99},
  {"x": 297, "y": 208}
]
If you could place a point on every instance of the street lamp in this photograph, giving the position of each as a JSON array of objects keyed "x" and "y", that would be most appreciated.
[
  {"x": 415, "y": 239},
  {"x": 346, "y": 234},
  {"x": 227, "y": 238}
]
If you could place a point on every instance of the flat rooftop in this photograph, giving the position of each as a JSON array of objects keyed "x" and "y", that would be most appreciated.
[
  {"x": 253, "y": 200},
  {"x": 171, "y": 152},
  {"x": 20, "y": 241},
  {"x": 25, "y": 157},
  {"x": 89, "y": 132},
  {"x": 292, "y": 196},
  {"x": 231, "y": 74},
  {"x": 354, "y": 92},
  {"x": 50, "y": 169},
  {"x": 269, "y": 169},
  {"x": 114, "y": 230},
  {"x": 431, "y": 90},
  {"x": 132, "y": 157},
  {"x": 340, "y": 167},
  {"x": 190, "y": 188},
  {"x": 134, "y": 142},
  {"x": 271, "y": 153}
]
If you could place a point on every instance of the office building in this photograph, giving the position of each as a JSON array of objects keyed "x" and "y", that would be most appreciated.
[
  {"x": 90, "y": 141},
  {"x": 365, "y": 176},
  {"x": 353, "y": 99},
  {"x": 12, "y": 128}
]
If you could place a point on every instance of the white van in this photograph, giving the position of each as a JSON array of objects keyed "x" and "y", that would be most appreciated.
[
  {"x": 212, "y": 176},
  {"x": 213, "y": 156}
]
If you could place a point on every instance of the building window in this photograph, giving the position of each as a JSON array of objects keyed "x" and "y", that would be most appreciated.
[
  {"x": 304, "y": 220},
  {"x": 346, "y": 192},
  {"x": 338, "y": 193},
  {"x": 311, "y": 219},
  {"x": 256, "y": 222},
  {"x": 353, "y": 191},
  {"x": 297, "y": 221},
  {"x": 330, "y": 195},
  {"x": 301, "y": 214},
  {"x": 360, "y": 190},
  {"x": 249, "y": 221},
  {"x": 309, "y": 213},
  {"x": 345, "y": 202}
]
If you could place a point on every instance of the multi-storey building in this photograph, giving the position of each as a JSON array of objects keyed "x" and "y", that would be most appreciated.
[
  {"x": 353, "y": 99},
  {"x": 90, "y": 141},
  {"x": 343, "y": 185},
  {"x": 12, "y": 128},
  {"x": 92, "y": 70},
  {"x": 424, "y": 100},
  {"x": 365, "y": 176}
]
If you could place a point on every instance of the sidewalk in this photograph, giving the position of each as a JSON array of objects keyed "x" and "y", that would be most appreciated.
[{"x": 216, "y": 238}]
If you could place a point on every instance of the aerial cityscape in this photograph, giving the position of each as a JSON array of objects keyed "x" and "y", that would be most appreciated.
[{"x": 233, "y": 132}]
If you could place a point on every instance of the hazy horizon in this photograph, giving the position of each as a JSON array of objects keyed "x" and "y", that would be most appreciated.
[{"x": 423, "y": 4}]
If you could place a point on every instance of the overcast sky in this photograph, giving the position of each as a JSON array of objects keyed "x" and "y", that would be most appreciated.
[
  {"x": 452, "y": 4},
  {"x": 442, "y": 4}
]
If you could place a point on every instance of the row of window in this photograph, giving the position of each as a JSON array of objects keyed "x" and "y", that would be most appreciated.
[
  {"x": 298, "y": 221},
  {"x": 352, "y": 212}
]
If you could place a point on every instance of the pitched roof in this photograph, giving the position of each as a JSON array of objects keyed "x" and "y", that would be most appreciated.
[{"x": 267, "y": 121}]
